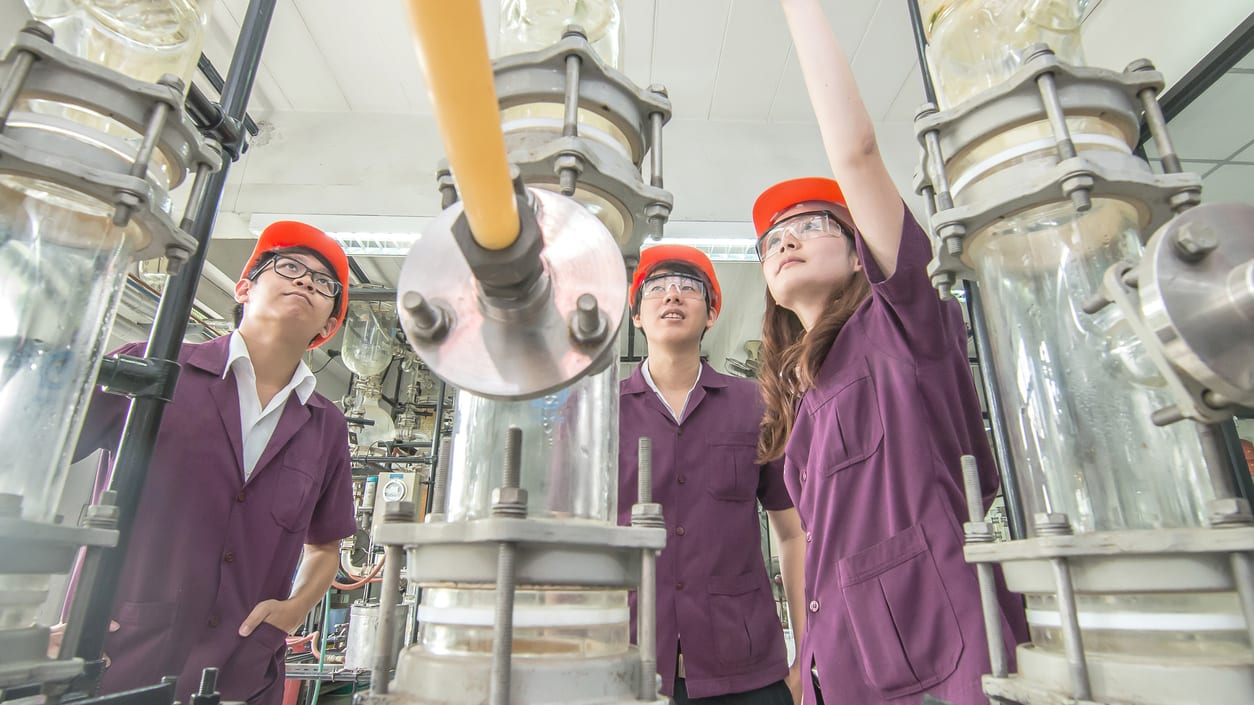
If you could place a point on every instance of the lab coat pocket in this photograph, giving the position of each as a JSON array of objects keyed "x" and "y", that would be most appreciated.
[
  {"x": 732, "y": 474},
  {"x": 142, "y": 641},
  {"x": 732, "y": 601},
  {"x": 254, "y": 665},
  {"x": 903, "y": 622},
  {"x": 848, "y": 427},
  {"x": 292, "y": 508}
]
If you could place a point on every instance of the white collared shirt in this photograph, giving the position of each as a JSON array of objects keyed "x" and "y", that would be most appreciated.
[
  {"x": 258, "y": 424},
  {"x": 648, "y": 379}
]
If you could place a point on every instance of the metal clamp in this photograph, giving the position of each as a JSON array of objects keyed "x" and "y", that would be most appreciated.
[{"x": 138, "y": 377}]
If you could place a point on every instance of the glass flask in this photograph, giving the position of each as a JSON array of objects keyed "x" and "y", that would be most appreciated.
[{"x": 369, "y": 334}]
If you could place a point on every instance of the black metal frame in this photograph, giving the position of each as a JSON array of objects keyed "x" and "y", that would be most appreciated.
[
  {"x": 979, "y": 332},
  {"x": 90, "y": 612}
]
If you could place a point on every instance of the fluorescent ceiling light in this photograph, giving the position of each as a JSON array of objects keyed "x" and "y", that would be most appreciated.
[
  {"x": 718, "y": 249},
  {"x": 375, "y": 244}
]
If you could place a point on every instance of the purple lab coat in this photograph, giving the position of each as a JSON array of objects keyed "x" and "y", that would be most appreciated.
[
  {"x": 873, "y": 466},
  {"x": 713, "y": 591},
  {"x": 208, "y": 546}
]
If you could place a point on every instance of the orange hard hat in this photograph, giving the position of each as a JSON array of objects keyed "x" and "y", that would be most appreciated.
[
  {"x": 653, "y": 257},
  {"x": 786, "y": 194},
  {"x": 289, "y": 233}
]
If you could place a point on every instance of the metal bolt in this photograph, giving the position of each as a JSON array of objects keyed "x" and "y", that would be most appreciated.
[
  {"x": 1185, "y": 200},
  {"x": 944, "y": 283},
  {"x": 1140, "y": 65},
  {"x": 1215, "y": 400},
  {"x": 169, "y": 80},
  {"x": 101, "y": 516},
  {"x": 568, "y": 167},
  {"x": 1167, "y": 416},
  {"x": 1195, "y": 241},
  {"x": 447, "y": 187},
  {"x": 430, "y": 323},
  {"x": 38, "y": 29},
  {"x": 587, "y": 326},
  {"x": 1036, "y": 51},
  {"x": 1131, "y": 279},
  {"x": 953, "y": 245},
  {"x": 644, "y": 470},
  {"x": 208, "y": 681},
  {"x": 1095, "y": 303},
  {"x": 926, "y": 110},
  {"x": 1052, "y": 524},
  {"x": 574, "y": 30},
  {"x": 1229, "y": 511},
  {"x": 659, "y": 89},
  {"x": 647, "y": 514}
]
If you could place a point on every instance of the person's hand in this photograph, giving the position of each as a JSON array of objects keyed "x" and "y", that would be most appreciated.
[
  {"x": 57, "y": 634},
  {"x": 279, "y": 613},
  {"x": 793, "y": 681}
]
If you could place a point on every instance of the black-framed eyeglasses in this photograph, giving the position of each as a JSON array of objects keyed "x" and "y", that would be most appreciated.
[
  {"x": 293, "y": 269},
  {"x": 803, "y": 226}
]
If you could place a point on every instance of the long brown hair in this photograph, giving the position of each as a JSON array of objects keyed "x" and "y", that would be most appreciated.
[{"x": 792, "y": 356}]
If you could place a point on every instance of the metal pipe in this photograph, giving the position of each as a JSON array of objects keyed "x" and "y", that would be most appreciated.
[
  {"x": 21, "y": 69},
  {"x": 655, "y": 150},
  {"x": 453, "y": 53},
  {"x": 1073, "y": 643},
  {"x": 503, "y": 633},
  {"x": 920, "y": 49},
  {"x": 570, "y": 120},
  {"x": 646, "y": 602},
  {"x": 984, "y": 571},
  {"x": 439, "y": 487},
  {"x": 389, "y": 598},
  {"x": 92, "y": 606}
]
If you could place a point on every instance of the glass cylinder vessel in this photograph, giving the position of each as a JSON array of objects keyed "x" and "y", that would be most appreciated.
[
  {"x": 551, "y": 623},
  {"x": 1079, "y": 390},
  {"x": 569, "y": 452},
  {"x": 1201, "y": 626},
  {"x": 62, "y": 260},
  {"x": 974, "y": 45}
]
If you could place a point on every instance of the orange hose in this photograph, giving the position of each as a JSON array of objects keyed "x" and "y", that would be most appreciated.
[
  {"x": 453, "y": 52},
  {"x": 361, "y": 581}
]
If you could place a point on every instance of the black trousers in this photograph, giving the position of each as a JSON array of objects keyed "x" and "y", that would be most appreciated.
[{"x": 774, "y": 694}]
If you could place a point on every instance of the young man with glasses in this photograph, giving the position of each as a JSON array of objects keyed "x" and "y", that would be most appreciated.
[
  {"x": 249, "y": 485},
  {"x": 719, "y": 639}
]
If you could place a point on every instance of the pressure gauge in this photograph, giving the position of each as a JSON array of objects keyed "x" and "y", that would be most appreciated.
[{"x": 394, "y": 490}]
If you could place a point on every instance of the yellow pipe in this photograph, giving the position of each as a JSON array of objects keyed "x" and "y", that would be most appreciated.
[{"x": 453, "y": 53}]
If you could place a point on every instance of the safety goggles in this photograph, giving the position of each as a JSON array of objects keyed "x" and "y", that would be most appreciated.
[
  {"x": 684, "y": 286},
  {"x": 289, "y": 268},
  {"x": 803, "y": 226}
]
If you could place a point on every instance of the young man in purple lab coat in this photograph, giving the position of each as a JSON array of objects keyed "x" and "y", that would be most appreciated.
[
  {"x": 249, "y": 485},
  {"x": 719, "y": 640}
]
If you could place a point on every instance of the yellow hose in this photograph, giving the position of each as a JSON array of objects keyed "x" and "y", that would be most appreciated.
[{"x": 454, "y": 56}]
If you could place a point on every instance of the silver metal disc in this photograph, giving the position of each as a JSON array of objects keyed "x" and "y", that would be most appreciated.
[
  {"x": 534, "y": 355},
  {"x": 1201, "y": 310}
]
